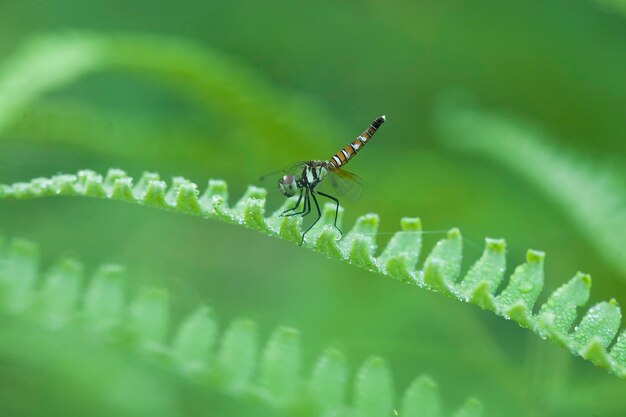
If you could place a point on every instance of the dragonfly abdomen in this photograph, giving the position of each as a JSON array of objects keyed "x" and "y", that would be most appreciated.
[{"x": 344, "y": 155}]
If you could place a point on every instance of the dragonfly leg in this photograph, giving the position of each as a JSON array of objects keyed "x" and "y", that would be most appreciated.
[
  {"x": 294, "y": 207},
  {"x": 336, "y": 209},
  {"x": 306, "y": 207},
  {"x": 307, "y": 203},
  {"x": 319, "y": 215}
]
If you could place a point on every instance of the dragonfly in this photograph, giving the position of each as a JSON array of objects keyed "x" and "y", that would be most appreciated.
[{"x": 303, "y": 178}]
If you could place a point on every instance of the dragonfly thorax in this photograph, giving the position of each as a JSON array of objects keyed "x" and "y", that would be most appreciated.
[{"x": 313, "y": 173}]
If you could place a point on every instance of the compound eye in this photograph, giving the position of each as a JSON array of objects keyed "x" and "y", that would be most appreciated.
[{"x": 287, "y": 185}]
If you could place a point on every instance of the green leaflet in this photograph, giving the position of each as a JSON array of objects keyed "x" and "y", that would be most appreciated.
[
  {"x": 471, "y": 408},
  {"x": 329, "y": 381},
  {"x": 236, "y": 359},
  {"x": 525, "y": 285},
  {"x": 422, "y": 399},
  {"x": 194, "y": 341},
  {"x": 374, "y": 391},
  {"x": 281, "y": 365},
  {"x": 21, "y": 260},
  {"x": 148, "y": 319},
  {"x": 492, "y": 263},
  {"x": 560, "y": 309},
  {"x": 597, "y": 330},
  {"x": 440, "y": 273},
  {"x": 273, "y": 378},
  {"x": 104, "y": 301},
  {"x": 60, "y": 294}
]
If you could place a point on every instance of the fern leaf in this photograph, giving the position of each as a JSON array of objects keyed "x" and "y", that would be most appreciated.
[
  {"x": 273, "y": 378},
  {"x": 440, "y": 272}
]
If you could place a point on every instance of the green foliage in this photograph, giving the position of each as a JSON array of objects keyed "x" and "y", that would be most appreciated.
[
  {"x": 272, "y": 378},
  {"x": 593, "y": 196},
  {"x": 22, "y": 79},
  {"x": 230, "y": 112},
  {"x": 440, "y": 272},
  {"x": 617, "y": 5},
  {"x": 197, "y": 73}
]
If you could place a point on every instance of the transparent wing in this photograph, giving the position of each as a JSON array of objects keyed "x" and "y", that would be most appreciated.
[
  {"x": 293, "y": 169},
  {"x": 343, "y": 183},
  {"x": 346, "y": 184}
]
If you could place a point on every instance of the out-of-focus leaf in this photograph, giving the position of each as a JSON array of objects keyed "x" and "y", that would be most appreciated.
[
  {"x": 593, "y": 196},
  {"x": 102, "y": 380}
]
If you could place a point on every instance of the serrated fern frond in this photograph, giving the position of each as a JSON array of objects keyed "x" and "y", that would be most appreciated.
[
  {"x": 232, "y": 362},
  {"x": 440, "y": 272},
  {"x": 593, "y": 196}
]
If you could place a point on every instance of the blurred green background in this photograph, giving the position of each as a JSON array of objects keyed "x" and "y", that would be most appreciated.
[{"x": 333, "y": 67}]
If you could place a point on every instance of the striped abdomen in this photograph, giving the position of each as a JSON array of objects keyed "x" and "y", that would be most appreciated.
[{"x": 344, "y": 155}]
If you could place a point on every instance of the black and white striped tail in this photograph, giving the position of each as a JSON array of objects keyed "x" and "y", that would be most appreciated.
[{"x": 344, "y": 155}]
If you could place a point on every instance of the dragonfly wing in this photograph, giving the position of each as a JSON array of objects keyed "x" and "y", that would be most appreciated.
[
  {"x": 294, "y": 169},
  {"x": 346, "y": 184}
]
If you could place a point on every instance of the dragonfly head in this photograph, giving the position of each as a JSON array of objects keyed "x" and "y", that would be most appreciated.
[{"x": 288, "y": 185}]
